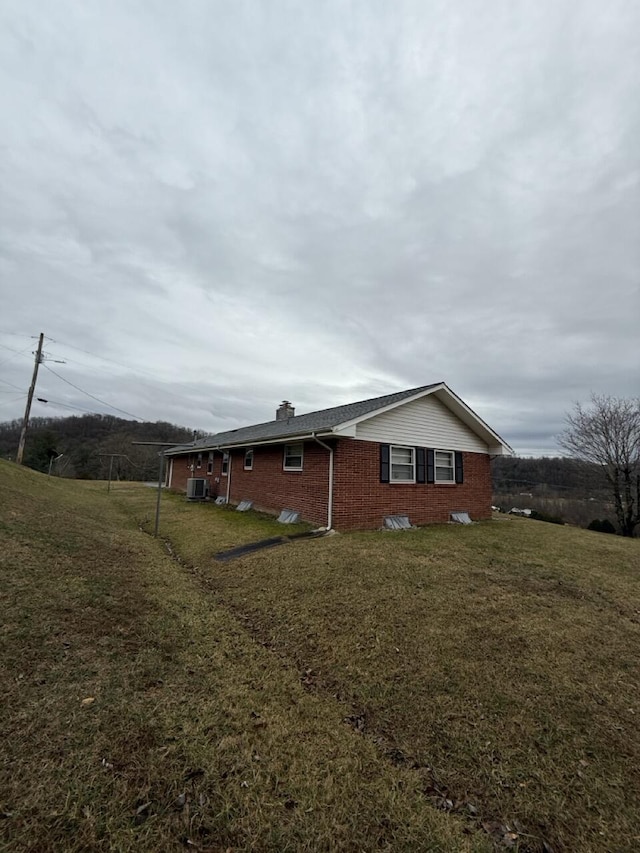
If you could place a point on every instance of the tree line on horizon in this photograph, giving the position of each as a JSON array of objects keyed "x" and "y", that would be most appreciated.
[{"x": 86, "y": 441}]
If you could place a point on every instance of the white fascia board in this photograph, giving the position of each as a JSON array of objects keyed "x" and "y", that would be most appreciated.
[
  {"x": 184, "y": 450},
  {"x": 501, "y": 450},
  {"x": 283, "y": 439},
  {"x": 348, "y": 431},
  {"x": 473, "y": 421}
]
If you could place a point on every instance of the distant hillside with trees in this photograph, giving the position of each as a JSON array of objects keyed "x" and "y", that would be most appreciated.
[
  {"x": 546, "y": 474},
  {"x": 566, "y": 490},
  {"x": 83, "y": 439}
]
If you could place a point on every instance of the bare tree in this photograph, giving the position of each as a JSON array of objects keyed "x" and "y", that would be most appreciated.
[{"x": 607, "y": 432}]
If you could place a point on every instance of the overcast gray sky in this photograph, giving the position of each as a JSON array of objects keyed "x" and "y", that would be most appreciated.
[{"x": 212, "y": 206}]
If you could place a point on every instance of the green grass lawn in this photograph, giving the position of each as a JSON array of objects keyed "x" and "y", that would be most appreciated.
[
  {"x": 445, "y": 689},
  {"x": 139, "y": 713}
]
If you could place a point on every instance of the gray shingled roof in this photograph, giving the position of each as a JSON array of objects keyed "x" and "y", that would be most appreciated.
[{"x": 320, "y": 421}]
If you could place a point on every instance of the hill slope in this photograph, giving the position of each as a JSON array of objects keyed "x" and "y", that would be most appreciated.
[
  {"x": 444, "y": 689},
  {"x": 500, "y": 662},
  {"x": 137, "y": 714}
]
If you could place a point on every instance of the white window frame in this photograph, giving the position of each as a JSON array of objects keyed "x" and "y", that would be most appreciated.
[
  {"x": 224, "y": 470},
  {"x": 403, "y": 480},
  {"x": 210, "y": 463},
  {"x": 452, "y": 467},
  {"x": 248, "y": 451},
  {"x": 286, "y": 467},
  {"x": 199, "y": 460}
]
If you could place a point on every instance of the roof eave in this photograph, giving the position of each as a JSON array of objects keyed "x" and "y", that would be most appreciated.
[
  {"x": 476, "y": 423},
  {"x": 281, "y": 439}
]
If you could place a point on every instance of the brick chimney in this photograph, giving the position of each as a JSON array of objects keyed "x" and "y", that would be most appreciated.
[{"x": 285, "y": 411}]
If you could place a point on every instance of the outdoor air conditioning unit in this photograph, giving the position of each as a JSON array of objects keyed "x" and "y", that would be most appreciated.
[{"x": 197, "y": 489}]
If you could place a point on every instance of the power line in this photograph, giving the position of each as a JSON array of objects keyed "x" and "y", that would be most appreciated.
[
  {"x": 6, "y": 382},
  {"x": 13, "y": 400},
  {"x": 15, "y": 353},
  {"x": 67, "y": 406},
  {"x": 11, "y": 349},
  {"x": 135, "y": 370},
  {"x": 93, "y": 397},
  {"x": 102, "y": 357}
]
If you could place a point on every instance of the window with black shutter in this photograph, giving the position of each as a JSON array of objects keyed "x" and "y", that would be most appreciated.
[
  {"x": 431, "y": 466},
  {"x": 384, "y": 463},
  {"x": 458, "y": 464}
]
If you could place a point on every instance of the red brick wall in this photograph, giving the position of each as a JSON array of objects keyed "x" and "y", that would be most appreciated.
[
  {"x": 361, "y": 500},
  {"x": 268, "y": 485},
  {"x": 271, "y": 488},
  {"x": 182, "y": 472}
]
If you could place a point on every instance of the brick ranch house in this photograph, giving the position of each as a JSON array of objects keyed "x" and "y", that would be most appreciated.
[{"x": 421, "y": 452}]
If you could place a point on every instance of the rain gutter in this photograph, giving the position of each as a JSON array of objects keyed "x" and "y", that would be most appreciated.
[
  {"x": 225, "y": 445},
  {"x": 330, "y": 495},
  {"x": 229, "y": 458}
]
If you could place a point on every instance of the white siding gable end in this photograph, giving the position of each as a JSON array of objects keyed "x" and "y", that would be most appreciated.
[{"x": 426, "y": 422}]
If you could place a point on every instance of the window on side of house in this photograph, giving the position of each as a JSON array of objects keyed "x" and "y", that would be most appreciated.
[
  {"x": 403, "y": 464},
  {"x": 445, "y": 466},
  {"x": 248, "y": 459},
  {"x": 293, "y": 455},
  {"x": 225, "y": 464},
  {"x": 210, "y": 463},
  {"x": 199, "y": 460}
]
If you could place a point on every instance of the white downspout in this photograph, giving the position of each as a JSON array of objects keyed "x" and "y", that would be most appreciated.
[
  {"x": 170, "y": 473},
  {"x": 229, "y": 476},
  {"x": 330, "y": 498}
]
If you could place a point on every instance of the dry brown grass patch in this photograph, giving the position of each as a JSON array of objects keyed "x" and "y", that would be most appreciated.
[
  {"x": 498, "y": 663},
  {"x": 195, "y": 734}
]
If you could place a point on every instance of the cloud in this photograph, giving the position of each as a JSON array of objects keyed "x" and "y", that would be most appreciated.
[{"x": 323, "y": 202}]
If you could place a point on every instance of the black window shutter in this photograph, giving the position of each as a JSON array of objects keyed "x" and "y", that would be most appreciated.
[
  {"x": 384, "y": 463},
  {"x": 421, "y": 474},
  {"x": 459, "y": 472},
  {"x": 431, "y": 466}
]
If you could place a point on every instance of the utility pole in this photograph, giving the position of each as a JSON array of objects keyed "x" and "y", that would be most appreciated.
[
  {"x": 27, "y": 411},
  {"x": 111, "y": 456}
]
